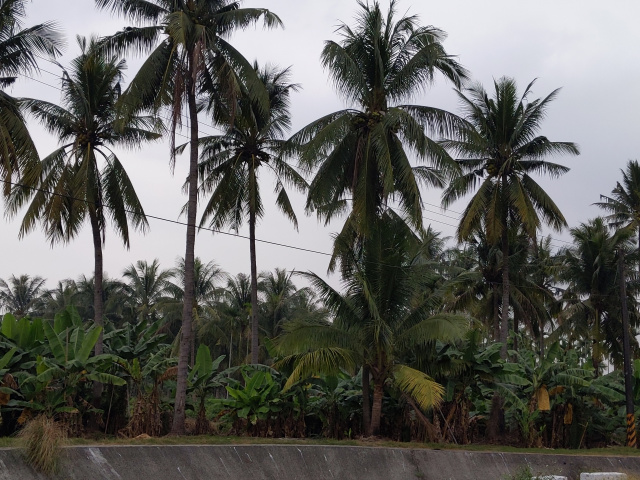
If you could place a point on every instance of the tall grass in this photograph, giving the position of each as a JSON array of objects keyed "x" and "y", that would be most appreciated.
[{"x": 41, "y": 440}]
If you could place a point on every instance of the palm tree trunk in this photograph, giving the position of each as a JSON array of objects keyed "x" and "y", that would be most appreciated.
[
  {"x": 189, "y": 266},
  {"x": 98, "y": 306},
  {"x": 366, "y": 400},
  {"x": 376, "y": 408},
  {"x": 254, "y": 286},
  {"x": 595, "y": 349},
  {"x": 504, "y": 327},
  {"x": 496, "y": 314}
]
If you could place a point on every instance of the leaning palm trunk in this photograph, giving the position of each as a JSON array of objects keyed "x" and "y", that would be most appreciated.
[
  {"x": 98, "y": 307},
  {"x": 254, "y": 286},
  {"x": 178, "y": 427}
]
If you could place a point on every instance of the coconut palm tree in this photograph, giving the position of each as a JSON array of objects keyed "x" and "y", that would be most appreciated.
[
  {"x": 189, "y": 56},
  {"x": 361, "y": 154},
  {"x": 22, "y": 295},
  {"x": 624, "y": 202},
  {"x": 84, "y": 178},
  {"x": 147, "y": 286},
  {"x": 208, "y": 276},
  {"x": 19, "y": 50},
  {"x": 592, "y": 294},
  {"x": 235, "y": 309},
  {"x": 64, "y": 295},
  {"x": 231, "y": 164},
  {"x": 114, "y": 299},
  {"x": 381, "y": 317},
  {"x": 278, "y": 292},
  {"x": 498, "y": 151}
]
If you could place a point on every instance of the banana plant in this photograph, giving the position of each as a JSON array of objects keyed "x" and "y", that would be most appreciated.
[
  {"x": 146, "y": 380},
  {"x": 25, "y": 333},
  {"x": 529, "y": 383},
  {"x": 255, "y": 401},
  {"x": 63, "y": 375},
  {"x": 135, "y": 340},
  {"x": 202, "y": 381}
]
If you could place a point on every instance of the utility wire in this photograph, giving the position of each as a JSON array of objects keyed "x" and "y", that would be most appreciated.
[
  {"x": 168, "y": 220},
  {"x": 283, "y": 245}
]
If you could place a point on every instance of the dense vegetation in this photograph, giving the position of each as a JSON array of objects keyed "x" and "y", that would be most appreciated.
[{"x": 501, "y": 338}]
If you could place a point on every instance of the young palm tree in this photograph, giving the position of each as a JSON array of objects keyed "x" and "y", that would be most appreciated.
[
  {"x": 361, "y": 154},
  {"x": 189, "y": 56},
  {"x": 23, "y": 295},
  {"x": 624, "y": 202},
  {"x": 84, "y": 179},
  {"x": 499, "y": 151},
  {"x": 19, "y": 49},
  {"x": 382, "y": 317},
  {"x": 231, "y": 163}
]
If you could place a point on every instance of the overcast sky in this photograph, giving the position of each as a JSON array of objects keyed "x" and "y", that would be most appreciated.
[{"x": 589, "y": 48}]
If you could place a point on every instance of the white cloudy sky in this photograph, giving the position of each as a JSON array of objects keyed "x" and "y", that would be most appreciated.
[{"x": 588, "y": 47}]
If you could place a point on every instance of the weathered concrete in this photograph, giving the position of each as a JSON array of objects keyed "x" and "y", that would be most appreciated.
[
  {"x": 603, "y": 476},
  {"x": 313, "y": 462}
]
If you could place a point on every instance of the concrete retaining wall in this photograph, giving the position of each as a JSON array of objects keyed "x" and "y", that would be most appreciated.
[{"x": 313, "y": 462}]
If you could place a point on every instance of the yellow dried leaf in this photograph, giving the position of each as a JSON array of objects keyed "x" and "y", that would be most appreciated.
[
  {"x": 542, "y": 396},
  {"x": 568, "y": 414},
  {"x": 24, "y": 416},
  {"x": 557, "y": 390}
]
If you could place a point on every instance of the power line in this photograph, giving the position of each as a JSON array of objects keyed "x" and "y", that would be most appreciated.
[
  {"x": 283, "y": 245},
  {"x": 168, "y": 220}
]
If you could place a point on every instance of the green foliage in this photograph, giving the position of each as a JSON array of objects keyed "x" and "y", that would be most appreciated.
[{"x": 52, "y": 364}]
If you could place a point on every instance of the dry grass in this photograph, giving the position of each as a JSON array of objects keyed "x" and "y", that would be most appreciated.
[{"x": 41, "y": 440}]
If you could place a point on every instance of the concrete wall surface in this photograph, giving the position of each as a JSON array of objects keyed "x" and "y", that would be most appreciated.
[{"x": 298, "y": 462}]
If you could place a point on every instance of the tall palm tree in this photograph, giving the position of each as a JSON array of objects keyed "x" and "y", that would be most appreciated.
[
  {"x": 592, "y": 294},
  {"x": 624, "y": 202},
  {"x": 84, "y": 178},
  {"x": 19, "y": 50},
  {"x": 361, "y": 154},
  {"x": 22, "y": 295},
  {"x": 231, "y": 164},
  {"x": 382, "y": 317},
  {"x": 500, "y": 149},
  {"x": 189, "y": 56},
  {"x": 147, "y": 286}
]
